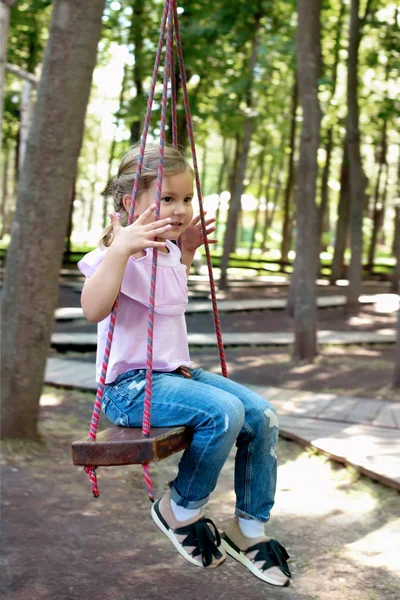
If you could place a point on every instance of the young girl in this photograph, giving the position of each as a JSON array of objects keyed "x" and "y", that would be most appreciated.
[{"x": 219, "y": 411}]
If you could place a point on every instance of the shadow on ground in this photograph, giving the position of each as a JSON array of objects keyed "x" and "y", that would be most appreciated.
[{"x": 61, "y": 544}]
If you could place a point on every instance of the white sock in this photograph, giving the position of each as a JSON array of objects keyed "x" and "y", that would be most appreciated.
[
  {"x": 183, "y": 514},
  {"x": 251, "y": 528}
]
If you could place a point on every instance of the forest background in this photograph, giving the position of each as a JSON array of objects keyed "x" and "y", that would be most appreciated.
[{"x": 218, "y": 40}]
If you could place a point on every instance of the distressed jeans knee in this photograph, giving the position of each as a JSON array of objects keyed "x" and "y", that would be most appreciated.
[{"x": 232, "y": 416}]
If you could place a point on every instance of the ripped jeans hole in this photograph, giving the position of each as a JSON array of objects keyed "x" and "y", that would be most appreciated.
[{"x": 226, "y": 423}]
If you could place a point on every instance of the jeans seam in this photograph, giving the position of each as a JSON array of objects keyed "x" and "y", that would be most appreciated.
[
  {"x": 200, "y": 459},
  {"x": 249, "y": 468},
  {"x": 209, "y": 415}
]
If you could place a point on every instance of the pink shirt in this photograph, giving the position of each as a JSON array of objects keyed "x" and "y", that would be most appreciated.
[{"x": 128, "y": 350}]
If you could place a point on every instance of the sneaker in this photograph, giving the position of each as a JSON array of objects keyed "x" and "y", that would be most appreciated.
[
  {"x": 264, "y": 557},
  {"x": 196, "y": 539}
]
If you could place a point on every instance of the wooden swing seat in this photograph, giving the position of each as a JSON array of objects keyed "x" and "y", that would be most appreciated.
[{"x": 126, "y": 446}]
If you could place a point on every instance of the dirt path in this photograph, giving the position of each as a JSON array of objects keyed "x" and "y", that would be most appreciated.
[{"x": 60, "y": 544}]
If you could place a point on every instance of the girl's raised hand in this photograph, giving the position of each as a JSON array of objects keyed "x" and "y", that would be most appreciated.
[
  {"x": 193, "y": 237},
  {"x": 141, "y": 234}
]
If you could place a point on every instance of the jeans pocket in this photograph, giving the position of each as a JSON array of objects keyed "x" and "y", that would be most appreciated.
[
  {"x": 114, "y": 412},
  {"x": 130, "y": 385}
]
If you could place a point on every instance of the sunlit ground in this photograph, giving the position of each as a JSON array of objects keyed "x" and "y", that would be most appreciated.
[{"x": 341, "y": 530}]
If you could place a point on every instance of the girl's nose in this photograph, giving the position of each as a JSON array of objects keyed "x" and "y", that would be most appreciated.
[{"x": 178, "y": 210}]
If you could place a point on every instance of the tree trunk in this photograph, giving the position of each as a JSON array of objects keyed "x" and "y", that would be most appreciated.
[
  {"x": 222, "y": 170},
  {"x": 396, "y": 237},
  {"x": 396, "y": 371},
  {"x": 235, "y": 202},
  {"x": 70, "y": 226},
  {"x": 5, "y": 7},
  {"x": 136, "y": 36},
  {"x": 261, "y": 165},
  {"x": 92, "y": 199},
  {"x": 323, "y": 211},
  {"x": 377, "y": 220},
  {"x": 25, "y": 120},
  {"x": 36, "y": 248},
  {"x": 308, "y": 50},
  {"x": 358, "y": 180},
  {"x": 395, "y": 287},
  {"x": 286, "y": 225},
  {"x": 323, "y": 207},
  {"x": 204, "y": 169},
  {"x": 342, "y": 223},
  {"x": 269, "y": 213},
  {"x": 4, "y": 195},
  {"x": 114, "y": 142}
]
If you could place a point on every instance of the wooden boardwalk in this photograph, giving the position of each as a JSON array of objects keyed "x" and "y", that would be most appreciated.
[
  {"x": 361, "y": 432},
  {"x": 70, "y": 313},
  {"x": 325, "y": 337}
]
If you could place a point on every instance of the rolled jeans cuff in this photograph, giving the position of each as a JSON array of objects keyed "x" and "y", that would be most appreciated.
[
  {"x": 192, "y": 504},
  {"x": 245, "y": 515}
]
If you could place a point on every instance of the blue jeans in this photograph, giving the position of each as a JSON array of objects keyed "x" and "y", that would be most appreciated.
[{"x": 220, "y": 412}]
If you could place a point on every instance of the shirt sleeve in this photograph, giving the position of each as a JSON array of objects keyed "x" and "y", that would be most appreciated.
[{"x": 89, "y": 263}]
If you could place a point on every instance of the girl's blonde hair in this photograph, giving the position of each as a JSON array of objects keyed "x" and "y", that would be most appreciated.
[{"x": 122, "y": 184}]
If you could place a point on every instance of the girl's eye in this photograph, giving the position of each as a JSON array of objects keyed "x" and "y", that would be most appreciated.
[
  {"x": 167, "y": 199},
  {"x": 188, "y": 199}
]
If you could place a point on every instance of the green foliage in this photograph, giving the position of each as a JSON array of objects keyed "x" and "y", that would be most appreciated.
[{"x": 217, "y": 40}]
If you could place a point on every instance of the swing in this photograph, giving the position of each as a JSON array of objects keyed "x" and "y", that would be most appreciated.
[{"x": 124, "y": 445}]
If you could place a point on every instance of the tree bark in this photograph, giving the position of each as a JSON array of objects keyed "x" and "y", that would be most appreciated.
[
  {"x": 342, "y": 223},
  {"x": 5, "y": 8},
  {"x": 261, "y": 165},
  {"x": 286, "y": 225},
  {"x": 396, "y": 371},
  {"x": 395, "y": 287},
  {"x": 269, "y": 214},
  {"x": 323, "y": 210},
  {"x": 396, "y": 237},
  {"x": 70, "y": 226},
  {"x": 222, "y": 170},
  {"x": 377, "y": 220},
  {"x": 39, "y": 227},
  {"x": 308, "y": 50},
  {"x": 358, "y": 180},
  {"x": 204, "y": 169},
  {"x": 5, "y": 192},
  {"x": 136, "y": 35},
  {"x": 235, "y": 202},
  {"x": 25, "y": 121},
  {"x": 114, "y": 142}
]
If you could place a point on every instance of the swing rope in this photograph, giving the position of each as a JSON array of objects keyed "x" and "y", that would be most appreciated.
[{"x": 170, "y": 13}]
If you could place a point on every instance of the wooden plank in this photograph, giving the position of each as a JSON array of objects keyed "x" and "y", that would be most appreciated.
[
  {"x": 365, "y": 411},
  {"x": 374, "y": 451},
  {"x": 387, "y": 416},
  {"x": 383, "y": 336},
  {"x": 126, "y": 446},
  {"x": 338, "y": 409}
]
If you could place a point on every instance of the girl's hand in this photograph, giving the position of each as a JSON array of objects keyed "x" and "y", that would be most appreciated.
[
  {"x": 193, "y": 237},
  {"x": 141, "y": 234}
]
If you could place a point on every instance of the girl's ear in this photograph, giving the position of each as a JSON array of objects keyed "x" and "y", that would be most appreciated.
[{"x": 126, "y": 200}]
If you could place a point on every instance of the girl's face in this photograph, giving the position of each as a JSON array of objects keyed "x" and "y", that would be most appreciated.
[{"x": 176, "y": 202}]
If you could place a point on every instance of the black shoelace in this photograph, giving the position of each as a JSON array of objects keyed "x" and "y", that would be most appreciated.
[
  {"x": 204, "y": 540},
  {"x": 274, "y": 555}
]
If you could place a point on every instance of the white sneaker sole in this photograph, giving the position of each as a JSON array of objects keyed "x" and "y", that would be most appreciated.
[
  {"x": 172, "y": 537},
  {"x": 242, "y": 558}
]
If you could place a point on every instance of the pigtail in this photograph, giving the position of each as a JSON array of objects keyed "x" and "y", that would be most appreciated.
[
  {"x": 122, "y": 184},
  {"x": 111, "y": 189}
]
